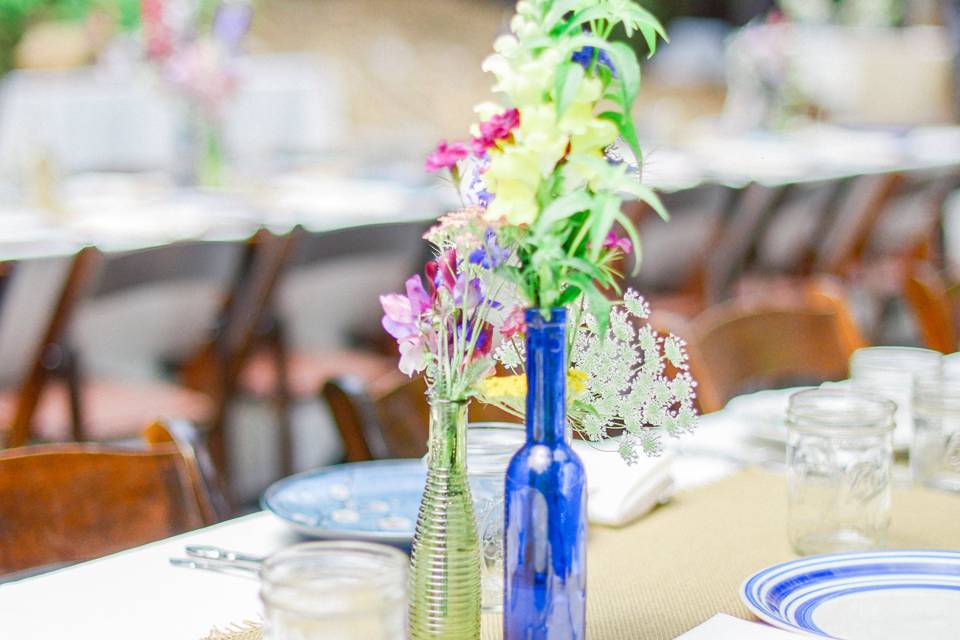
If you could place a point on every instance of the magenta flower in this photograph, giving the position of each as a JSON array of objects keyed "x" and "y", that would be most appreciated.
[
  {"x": 446, "y": 156},
  {"x": 514, "y": 323},
  {"x": 613, "y": 241},
  {"x": 496, "y": 128}
]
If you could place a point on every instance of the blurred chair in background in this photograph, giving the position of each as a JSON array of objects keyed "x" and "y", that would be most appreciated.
[
  {"x": 62, "y": 503},
  {"x": 50, "y": 361},
  {"x": 389, "y": 417},
  {"x": 320, "y": 306},
  {"x": 929, "y": 299},
  {"x": 765, "y": 341}
]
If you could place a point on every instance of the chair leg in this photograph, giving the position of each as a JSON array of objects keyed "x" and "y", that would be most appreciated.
[
  {"x": 71, "y": 373},
  {"x": 282, "y": 400}
]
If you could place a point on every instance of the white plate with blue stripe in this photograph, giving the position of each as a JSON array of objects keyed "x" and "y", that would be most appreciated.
[{"x": 879, "y": 595}]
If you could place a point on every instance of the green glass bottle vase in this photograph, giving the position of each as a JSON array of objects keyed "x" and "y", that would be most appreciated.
[{"x": 445, "y": 560}]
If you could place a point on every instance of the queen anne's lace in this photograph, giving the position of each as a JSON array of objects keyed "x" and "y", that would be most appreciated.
[{"x": 636, "y": 382}]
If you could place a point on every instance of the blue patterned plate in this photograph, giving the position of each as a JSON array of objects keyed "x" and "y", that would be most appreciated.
[
  {"x": 375, "y": 501},
  {"x": 879, "y": 595}
]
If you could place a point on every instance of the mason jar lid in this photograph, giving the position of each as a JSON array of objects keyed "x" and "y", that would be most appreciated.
[
  {"x": 896, "y": 360},
  {"x": 840, "y": 412}
]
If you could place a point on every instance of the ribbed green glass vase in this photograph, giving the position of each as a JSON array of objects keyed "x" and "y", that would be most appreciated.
[{"x": 445, "y": 561}]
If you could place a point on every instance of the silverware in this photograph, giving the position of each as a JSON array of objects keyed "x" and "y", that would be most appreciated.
[{"x": 221, "y": 560}]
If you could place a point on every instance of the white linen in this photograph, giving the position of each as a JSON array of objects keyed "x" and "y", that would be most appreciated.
[
  {"x": 724, "y": 627},
  {"x": 617, "y": 493}
]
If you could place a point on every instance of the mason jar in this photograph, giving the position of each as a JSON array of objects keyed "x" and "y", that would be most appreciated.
[
  {"x": 889, "y": 372},
  {"x": 335, "y": 591},
  {"x": 839, "y": 455},
  {"x": 490, "y": 446},
  {"x": 935, "y": 451}
]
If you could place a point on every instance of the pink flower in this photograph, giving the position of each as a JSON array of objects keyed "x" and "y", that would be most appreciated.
[
  {"x": 446, "y": 156},
  {"x": 514, "y": 323},
  {"x": 496, "y": 128},
  {"x": 413, "y": 355},
  {"x": 419, "y": 299},
  {"x": 401, "y": 314},
  {"x": 613, "y": 241}
]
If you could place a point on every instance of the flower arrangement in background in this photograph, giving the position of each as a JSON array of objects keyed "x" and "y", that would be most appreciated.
[
  {"x": 194, "y": 44},
  {"x": 630, "y": 381}
]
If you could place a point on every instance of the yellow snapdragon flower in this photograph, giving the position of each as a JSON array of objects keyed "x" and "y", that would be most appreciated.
[{"x": 515, "y": 386}]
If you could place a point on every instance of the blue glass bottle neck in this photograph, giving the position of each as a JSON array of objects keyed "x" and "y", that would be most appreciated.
[{"x": 546, "y": 376}]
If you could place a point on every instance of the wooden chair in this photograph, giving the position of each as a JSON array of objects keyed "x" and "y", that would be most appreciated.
[
  {"x": 62, "y": 503},
  {"x": 929, "y": 299},
  {"x": 282, "y": 371},
  {"x": 676, "y": 253},
  {"x": 388, "y": 417},
  {"x": 746, "y": 344},
  {"x": 50, "y": 362}
]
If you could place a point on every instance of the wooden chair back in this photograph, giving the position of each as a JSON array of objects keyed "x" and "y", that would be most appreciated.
[
  {"x": 927, "y": 295},
  {"x": 51, "y": 357},
  {"x": 386, "y": 419},
  {"x": 70, "y": 502},
  {"x": 747, "y": 344},
  {"x": 858, "y": 211},
  {"x": 733, "y": 252}
]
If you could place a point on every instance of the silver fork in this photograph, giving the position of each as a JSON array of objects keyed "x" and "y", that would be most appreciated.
[{"x": 211, "y": 558}]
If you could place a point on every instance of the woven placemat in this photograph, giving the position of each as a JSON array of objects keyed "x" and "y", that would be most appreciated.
[{"x": 685, "y": 562}]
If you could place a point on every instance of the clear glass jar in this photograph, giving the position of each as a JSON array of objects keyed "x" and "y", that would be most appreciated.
[
  {"x": 839, "y": 455},
  {"x": 935, "y": 452},
  {"x": 335, "y": 591},
  {"x": 490, "y": 446},
  {"x": 889, "y": 372}
]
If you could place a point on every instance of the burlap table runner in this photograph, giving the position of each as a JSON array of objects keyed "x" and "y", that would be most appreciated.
[{"x": 685, "y": 562}]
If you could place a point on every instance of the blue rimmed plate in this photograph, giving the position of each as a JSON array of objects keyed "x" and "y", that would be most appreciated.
[
  {"x": 375, "y": 501},
  {"x": 881, "y": 595}
]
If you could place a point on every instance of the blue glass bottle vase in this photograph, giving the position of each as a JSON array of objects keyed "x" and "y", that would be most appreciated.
[{"x": 545, "y": 528}]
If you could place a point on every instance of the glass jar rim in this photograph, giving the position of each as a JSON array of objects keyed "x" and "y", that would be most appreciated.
[
  {"x": 840, "y": 412},
  {"x": 394, "y": 565},
  {"x": 491, "y": 445},
  {"x": 896, "y": 359},
  {"x": 941, "y": 390}
]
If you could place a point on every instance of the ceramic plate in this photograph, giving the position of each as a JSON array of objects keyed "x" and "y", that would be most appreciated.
[
  {"x": 882, "y": 595},
  {"x": 375, "y": 501}
]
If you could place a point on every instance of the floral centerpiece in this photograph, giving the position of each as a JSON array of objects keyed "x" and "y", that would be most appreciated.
[
  {"x": 194, "y": 45},
  {"x": 447, "y": 328},
  {"x": 540, "y": 164}
]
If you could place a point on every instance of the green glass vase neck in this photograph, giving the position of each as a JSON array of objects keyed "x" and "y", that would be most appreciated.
[{"x": 448, "y": 433}]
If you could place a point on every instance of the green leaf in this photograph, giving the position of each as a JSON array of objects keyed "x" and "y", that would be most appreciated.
[
  {"x": 563, "y": 207},
  {"x": 601, "y": 222},
  {"x": 567, "y": 83},
  {"x": 631, "y": 229},
  {"x": 627, "y": 132},
  {"x": 644, "y": 193},
  {"x": 628, "y": 69}
]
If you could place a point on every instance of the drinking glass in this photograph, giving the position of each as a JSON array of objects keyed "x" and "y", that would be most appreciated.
[
  {"x": 935, "y": 453},
  {"x": 839, "y": 454},
  {"x": 889, "y": 372},
  {"x": 335, "y": 591},
  {"x": 490, "y": 445}
]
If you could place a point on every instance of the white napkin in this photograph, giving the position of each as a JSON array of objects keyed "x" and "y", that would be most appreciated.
[
  {"x": 724, "y": 627},
  {"x": 618, "y": 493}
]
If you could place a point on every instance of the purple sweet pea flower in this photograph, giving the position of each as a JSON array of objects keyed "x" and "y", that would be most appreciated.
[
  {"x": 490, "y": 255},
  {"x": 231, "y": 22}
]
